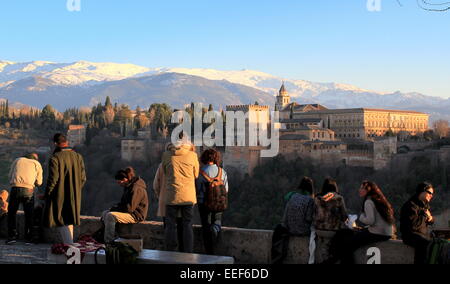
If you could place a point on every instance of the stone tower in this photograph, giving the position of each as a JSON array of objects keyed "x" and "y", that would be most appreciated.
[{"x": 283, "y": 99}]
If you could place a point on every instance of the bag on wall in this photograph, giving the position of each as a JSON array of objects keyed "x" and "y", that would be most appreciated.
[
  {"x": 118, "y": 253},
  {"x": 438, "y": 252}
]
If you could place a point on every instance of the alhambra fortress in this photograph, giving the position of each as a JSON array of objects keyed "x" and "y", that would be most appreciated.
[
  {"x": 354, "y": 137},
  {"x": 357, "y": 137}
]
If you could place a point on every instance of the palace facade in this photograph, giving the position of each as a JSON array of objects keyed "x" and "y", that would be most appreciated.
[{"x": 357, "y": 123}]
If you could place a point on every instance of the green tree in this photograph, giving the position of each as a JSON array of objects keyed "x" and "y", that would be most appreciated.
[
  {"x": 48, "y": 117},
  {"x": 162, "y": 117}
]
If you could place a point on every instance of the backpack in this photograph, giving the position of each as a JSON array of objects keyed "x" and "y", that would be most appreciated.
[
  {"x": 438, "y": 252},
  {"x": 216, "y": 194},
  {"x": 118, "y": 253}
]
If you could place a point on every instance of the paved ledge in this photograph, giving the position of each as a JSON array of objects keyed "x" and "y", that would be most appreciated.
[
  {"x": 245, "y": 245},
  {"x": 166, "y": 257},
  {"x": 24, "y": 254}
]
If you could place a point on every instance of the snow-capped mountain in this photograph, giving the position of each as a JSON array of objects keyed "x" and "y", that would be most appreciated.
[
  {"x": 264, "y": 81},
  {"x": 86, "y": 83},
  {"x": 84, "y": 72},
  {"x": 77, "y": 73},
  {"x": 172, "y": 88}
]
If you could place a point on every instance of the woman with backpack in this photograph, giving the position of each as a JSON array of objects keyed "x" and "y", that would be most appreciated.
[{"x": 211, "y": 185}]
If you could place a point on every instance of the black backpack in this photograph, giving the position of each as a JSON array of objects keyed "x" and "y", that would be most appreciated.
[
  {"x": 216, "y": 199},
  {"x": 438, "y": 252},
  {"x": 118, "y": 253}
]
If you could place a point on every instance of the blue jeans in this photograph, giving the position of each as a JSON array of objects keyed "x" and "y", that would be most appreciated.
[
  {"x": 170, "y": 232},
  {"x": 25, "y": 196}
]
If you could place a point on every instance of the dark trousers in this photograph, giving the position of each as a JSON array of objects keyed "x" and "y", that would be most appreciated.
[
  {"x": 346, "y": 242},
  {"x": 420, "y": 244},
  {"x": 25, "y": 197},
  {"x": 211, "y": 227},
  {"x": 179, "y": 232},
  {"x": 280, "y": 244},
  {"x": 170, "y": 232}
]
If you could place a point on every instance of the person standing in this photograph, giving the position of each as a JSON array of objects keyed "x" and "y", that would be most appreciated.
[
  {"x": 133, "y": 205},
  {"x": 159, "y": 188},
  {"x": 211, "y": 221},
  {"x": 181, "y": 168},
  {"x": 415, "y": 217},
  {"x": 24, "y": 176},
  {"x": 62, "y": 196}
]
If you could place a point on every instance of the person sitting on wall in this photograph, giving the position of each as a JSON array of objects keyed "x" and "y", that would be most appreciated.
[
  {"x": 330, "y": 213},
  {"x": 377, "y": 215},
  {"x": 133, "y": 206},
  {"x": 298, "y": 214},
  {"x": 415, "y": 217}
]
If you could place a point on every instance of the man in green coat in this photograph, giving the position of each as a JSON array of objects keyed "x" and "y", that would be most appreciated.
[{"x": 66, "y": 178}]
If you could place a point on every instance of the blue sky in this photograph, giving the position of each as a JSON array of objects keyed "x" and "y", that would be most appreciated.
[{"x": 399, "y": 48}]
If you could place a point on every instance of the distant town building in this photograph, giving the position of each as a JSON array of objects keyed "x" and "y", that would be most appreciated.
[
  {"x": 76, "y": 135},
  {"x": 133, "y": 149}
]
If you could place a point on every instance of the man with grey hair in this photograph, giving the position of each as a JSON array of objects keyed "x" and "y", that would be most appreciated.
[{"x": 24, "y": 176}]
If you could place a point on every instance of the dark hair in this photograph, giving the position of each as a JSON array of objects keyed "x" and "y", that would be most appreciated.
[
  {"x": 329, "y": 185},
  {"x": 59, "y": 138},
  {"x": 422, "y": 187},
  {"x": 127, "y": 173},
  {"x": 307, "y": 185},
  {"x": 32, "y": 156},
  {"x": 381, "y": 203},
  {"x": 210, "y": 155}
]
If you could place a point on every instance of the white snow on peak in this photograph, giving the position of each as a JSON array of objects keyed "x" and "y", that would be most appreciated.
[
  {"x": 86, "y": 73},
  {"x": 75, "y": 73}
]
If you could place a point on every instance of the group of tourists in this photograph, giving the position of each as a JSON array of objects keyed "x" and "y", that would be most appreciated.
[
  {"x": 181, "y": 182},
  {"x": 325, "y": 214}
]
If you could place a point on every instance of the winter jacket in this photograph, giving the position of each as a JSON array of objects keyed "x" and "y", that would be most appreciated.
[
  {"x": 201, "y": 184},
  {"x": 330, "y": 215},
  {"x": 134, "y": 200},
  {"x": 65, "y": 181},
  {"x": 413, "y": 219},
  {"x": 159, "y": 187},
  {"x": 371, "y": 217},
  {"x": 181, "y": 168},
  {"x": 25, "y": 173}
]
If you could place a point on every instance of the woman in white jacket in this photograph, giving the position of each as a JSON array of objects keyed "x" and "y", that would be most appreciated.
[{"x": 377, "y": 214}]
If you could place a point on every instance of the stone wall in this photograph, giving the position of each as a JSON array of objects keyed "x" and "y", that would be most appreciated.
[{"x": 245, "y": 245}]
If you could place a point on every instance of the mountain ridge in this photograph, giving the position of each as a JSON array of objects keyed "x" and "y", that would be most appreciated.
[{"x": 84, "y": 82}]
